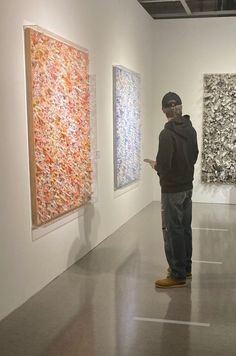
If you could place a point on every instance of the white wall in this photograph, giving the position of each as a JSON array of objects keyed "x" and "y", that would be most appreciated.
[
  {"x": 114, "y": 32},
  {"x": 184, "y": 51},
  {"x": 169, "y": 55}
]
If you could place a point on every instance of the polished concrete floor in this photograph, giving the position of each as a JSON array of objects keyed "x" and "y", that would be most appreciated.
[{"x": 106, "y": 304}]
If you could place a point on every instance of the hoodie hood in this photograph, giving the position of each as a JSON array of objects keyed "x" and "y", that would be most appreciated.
[{"x": 181, "y": 127}]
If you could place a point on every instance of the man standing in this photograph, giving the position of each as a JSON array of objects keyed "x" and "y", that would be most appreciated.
[{"x": 177, "y": 154}]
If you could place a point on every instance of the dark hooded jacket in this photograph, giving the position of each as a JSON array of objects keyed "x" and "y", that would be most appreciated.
[{"x": 177, "y": 154}]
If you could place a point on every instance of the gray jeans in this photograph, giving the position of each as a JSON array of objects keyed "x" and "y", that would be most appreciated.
[{"x": 177, "y": 231}]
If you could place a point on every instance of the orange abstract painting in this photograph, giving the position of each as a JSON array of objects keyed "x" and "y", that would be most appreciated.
[{"x": 59, "y": 125}]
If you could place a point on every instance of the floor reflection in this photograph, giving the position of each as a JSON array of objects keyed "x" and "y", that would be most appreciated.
[{"x": 175, "y": 338}]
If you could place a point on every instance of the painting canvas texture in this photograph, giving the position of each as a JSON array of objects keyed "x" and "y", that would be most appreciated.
[
  {"x": 127, "y": 133},
  {"x": 219, "y": 129},
  {"x": 59, "y": 125}
]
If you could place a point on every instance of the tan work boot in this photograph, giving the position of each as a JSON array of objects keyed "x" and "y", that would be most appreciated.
[{"x": 170, "y": 283}]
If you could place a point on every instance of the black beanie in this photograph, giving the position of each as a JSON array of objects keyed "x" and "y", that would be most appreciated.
[{"x": 171, "y": 99}]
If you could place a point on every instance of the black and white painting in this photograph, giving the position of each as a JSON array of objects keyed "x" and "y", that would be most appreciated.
[{"x": 219, "y": 129}]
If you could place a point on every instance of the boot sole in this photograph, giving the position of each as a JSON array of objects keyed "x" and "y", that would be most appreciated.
[{"x": 174, "y": 286}]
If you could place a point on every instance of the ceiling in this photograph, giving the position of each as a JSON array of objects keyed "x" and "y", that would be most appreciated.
[{"x": 171, "y": 9}]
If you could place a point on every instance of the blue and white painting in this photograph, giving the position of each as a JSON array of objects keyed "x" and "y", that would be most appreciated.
[{"x": 127, "y": 133}]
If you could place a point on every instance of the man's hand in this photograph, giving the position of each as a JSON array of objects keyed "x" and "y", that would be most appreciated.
[{"x": 151, "y": 162}]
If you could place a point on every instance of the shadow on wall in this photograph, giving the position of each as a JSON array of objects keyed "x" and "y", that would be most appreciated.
[
  {"x": 232, "y": 195},
  {"x": 84, "y": 242},
  {"x": 214, "y": 193}
]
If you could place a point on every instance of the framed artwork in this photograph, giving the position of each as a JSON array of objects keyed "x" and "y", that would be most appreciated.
[
  {"x": 58, "y": 124},
  {"x": 126, "y": 124},
  {"x": 219, "y": 129}
]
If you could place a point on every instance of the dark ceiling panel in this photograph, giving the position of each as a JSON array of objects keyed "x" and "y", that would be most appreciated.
[
  {"x": 211, "y": 5},
  {"x": 206, "y": 5},
  {"x": 168, "y": 9}
]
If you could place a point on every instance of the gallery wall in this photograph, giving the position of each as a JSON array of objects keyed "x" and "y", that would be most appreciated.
[
  {"x": 169, "y": 55},
  {"x": 184, "y": 51},
  {"x": 115, "y": 32}
]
